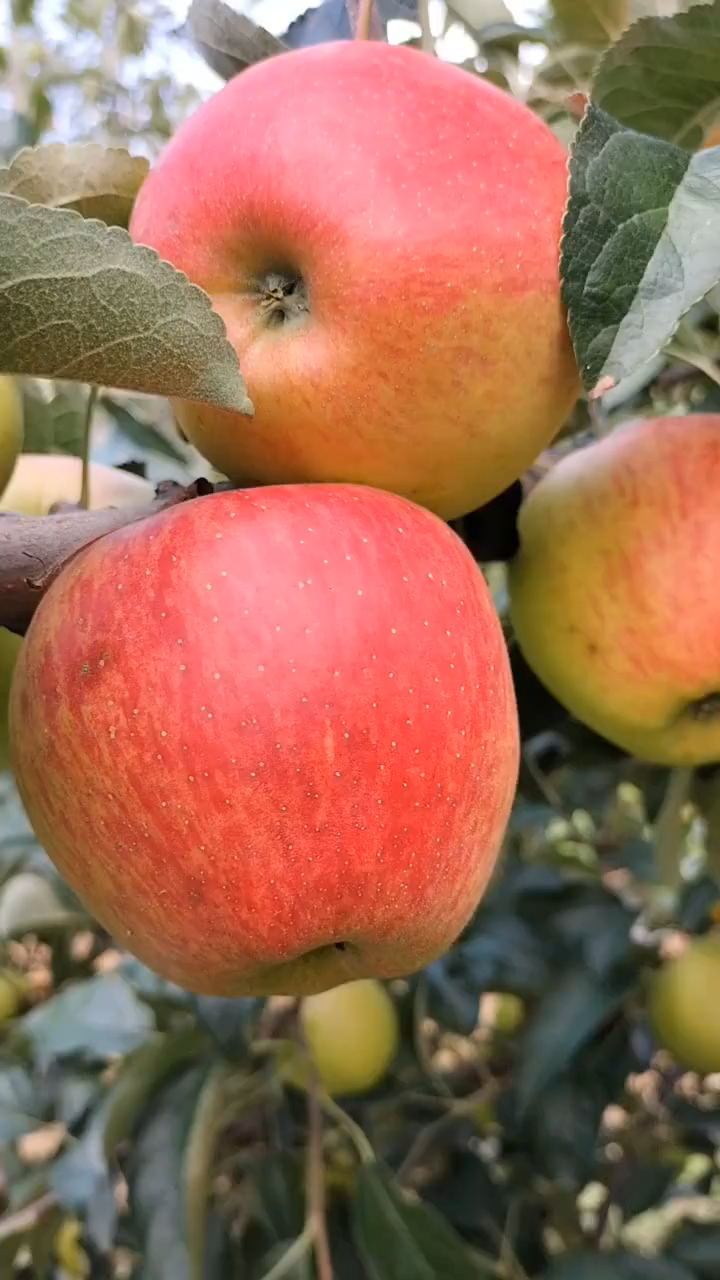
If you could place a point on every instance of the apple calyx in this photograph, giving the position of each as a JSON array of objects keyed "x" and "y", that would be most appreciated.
[
  {"x": 283, "y": 298},
  {"x": 705, "y": 708}
]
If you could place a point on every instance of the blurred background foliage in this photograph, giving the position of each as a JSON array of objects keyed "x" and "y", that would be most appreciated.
[{"x": 530, "y": 1125}]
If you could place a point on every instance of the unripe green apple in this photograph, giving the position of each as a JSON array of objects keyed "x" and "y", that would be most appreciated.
[
  {"x": 380, "y": 232},
  {"x": 11, "y": 427},
  {"x": 684, "y": 1005},
  {"x": 615, "y": 591},
  {"x": 352, "y": 1033}
]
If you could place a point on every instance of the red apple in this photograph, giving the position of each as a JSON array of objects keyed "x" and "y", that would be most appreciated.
[
  {"x": 270, "y": 737},
  {"x": 380, "y": 233}
]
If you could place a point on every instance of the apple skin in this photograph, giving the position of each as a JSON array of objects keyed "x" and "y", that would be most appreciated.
[
  {"x": 422, "y": 208},
  {"x": 270, "y": 738},
  {"x": 683, "y": 1005},
  {"x": 11, "y": 427},
  {"x": 37, "y": 483},
  {"x": 614, "y": 593},
  {"x": 353, "y": 1035}
]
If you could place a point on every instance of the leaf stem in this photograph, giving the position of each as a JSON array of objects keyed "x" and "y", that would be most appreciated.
[
  {"x": 297, "y": 1250},
  {"x": 87, "y": 432},
  {"x": 355, "y": 1133}
]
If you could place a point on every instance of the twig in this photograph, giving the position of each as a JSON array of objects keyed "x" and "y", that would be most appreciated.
[
  {"x": 364, "y": 20},
  {"x": 315, "y": 1181},
  {"x": 35, "y": 549},
  {"x": 28, "y": 1218},
  {"x": 297, "y": 1250},
  {"x": 669, "y": 829},
  {"x": 428, "y": 1136},
  {"x": 85, "y": 454},
  {"x": 426, "y": 36}
]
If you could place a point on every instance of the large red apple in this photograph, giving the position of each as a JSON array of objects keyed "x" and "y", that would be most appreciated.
[
  {"x": 380, "y": 233},
  {"x": 270, "y": 737}
]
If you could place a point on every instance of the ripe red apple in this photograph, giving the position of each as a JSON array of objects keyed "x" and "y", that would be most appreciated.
[
  {"x": 270, "y": 737},
  {"x": 380, "y": 233},
  {"x": 615, "y": 592}
]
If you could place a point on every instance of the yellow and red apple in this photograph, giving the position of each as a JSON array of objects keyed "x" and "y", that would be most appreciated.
[
  {"x": 380, "y": 232},
  {"x": 615, "y": 592}
]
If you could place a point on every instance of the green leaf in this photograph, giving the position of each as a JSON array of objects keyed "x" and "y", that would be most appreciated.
[
  {"x": 663, "y": 76},
  {"x": 79, "y": 301},
  {"x": 98, "y": 182},
  {"x": 574, "y": 1008},
  {"x": 641, "y": 244},
  {"x": 613, "y": 1266},
  {"x": 142, "y": 1074},
  {"x": 595, "y": 23},
  {"x": 143, "y": 434},
  {"x": 229, "y": 41},
  {"x": 82, "y": 1180},
  {"x": 98, "y": 1018},
  {"x": 54, "y": 425},
  {"x": 29, "y": 904},
  {"x": 478, "y": 14},
  {"x": 20, "y": 1109},
  {"x": 168, "y": 1174},
  {"x": 697, "y": 1246},
  {"x": 399, "y": 1240}
]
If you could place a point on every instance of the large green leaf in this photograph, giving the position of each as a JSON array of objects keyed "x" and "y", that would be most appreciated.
[
  {"x": 169, "y": 1171},
  {"x": 400, "y": 1240},
  {"x": 576, "y": 1005},
  {"x": 99, "y": 182},
  {"x": 663, "y": 76},
  {"x": 229, "y": 41},
  {"x": 79, "y": 301},
  {"x": 641, "y": 244},
  {"x": 595, "y": 23},
  {"x": 98, "y": 1019}
]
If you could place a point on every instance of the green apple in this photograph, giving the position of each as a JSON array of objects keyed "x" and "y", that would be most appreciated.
[
  {"x": 11, "y": 428},
  {"x": 615, "y": 591},
  {"x": 352, "y": 1034},
  {"x": 683, "y": 1005}
]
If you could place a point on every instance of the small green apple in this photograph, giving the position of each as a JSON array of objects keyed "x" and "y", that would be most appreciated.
[
  {"x": 11, "y": 428},
  {"x": 683, "y": 1005},
  {"x": 352, "y": 1033}
]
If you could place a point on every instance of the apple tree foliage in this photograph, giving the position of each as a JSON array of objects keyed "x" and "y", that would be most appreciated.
[{"x": 530, "y": 1126}]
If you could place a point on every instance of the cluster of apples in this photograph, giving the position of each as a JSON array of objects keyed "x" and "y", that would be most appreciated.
[{"x": 270, "y": 736}]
